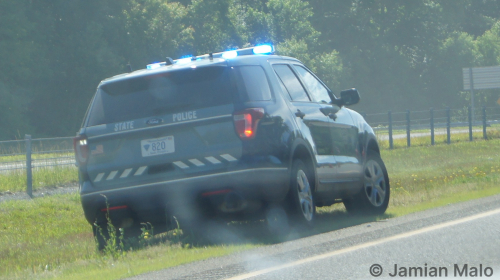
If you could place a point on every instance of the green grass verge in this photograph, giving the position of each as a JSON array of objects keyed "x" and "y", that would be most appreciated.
[
  {"x": 15, "y": 181},
  {"x": 34, "y": 156},
  {"x": 49, "y": 237}
]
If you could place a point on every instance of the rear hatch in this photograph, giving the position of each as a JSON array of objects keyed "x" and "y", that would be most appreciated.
[{"x": 163, "y": 125}]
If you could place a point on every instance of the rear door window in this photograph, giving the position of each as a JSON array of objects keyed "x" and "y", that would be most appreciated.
[{"x": 292, "y": 84}]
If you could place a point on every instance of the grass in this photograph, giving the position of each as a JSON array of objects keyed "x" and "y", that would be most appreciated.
[
  {"x": 49, "y": 237},
  {"x": 15, "y": 181},
  {"x": 34, "y": 156}
]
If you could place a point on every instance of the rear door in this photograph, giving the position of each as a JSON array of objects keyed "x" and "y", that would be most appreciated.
[{"x": 162, "y": 126}]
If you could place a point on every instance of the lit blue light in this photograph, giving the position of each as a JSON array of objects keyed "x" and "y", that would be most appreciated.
[
  {"x": 230, "y": 54},
  {"x": 263, "y": 49},
  {"x": 184, "y": 60},
  {"x": 153, "y": 66}
]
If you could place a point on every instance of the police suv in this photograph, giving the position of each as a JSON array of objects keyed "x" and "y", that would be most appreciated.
[{"x": 224, "y": 135}]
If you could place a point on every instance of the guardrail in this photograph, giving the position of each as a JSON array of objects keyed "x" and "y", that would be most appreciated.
[
  {"x": 442, "y": 121},
  {"x": 29, "y": 154}
]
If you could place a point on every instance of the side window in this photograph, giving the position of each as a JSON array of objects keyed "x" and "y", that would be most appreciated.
[
  {"x": 253, "y": 83},
  {"x": 316, "y": 89},
  {"x": 292, "y": 84}
]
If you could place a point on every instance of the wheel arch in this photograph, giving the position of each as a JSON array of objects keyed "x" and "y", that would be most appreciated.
[
  {"x": 303, "y": 152},
  {"x": 372, "y": 145}
]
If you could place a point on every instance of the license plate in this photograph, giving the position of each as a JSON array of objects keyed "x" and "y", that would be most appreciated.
[{"x": 157, "y": 146}]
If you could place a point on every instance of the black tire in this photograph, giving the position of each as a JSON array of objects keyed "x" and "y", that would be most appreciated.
[
  {"x": 373, "y": 199},
  {"x": 302, "y": 209}
]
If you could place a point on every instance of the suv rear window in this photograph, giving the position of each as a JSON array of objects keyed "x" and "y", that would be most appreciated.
[
  {"x": 177, "y": 91},
  {"x": 252, "y": 83}
]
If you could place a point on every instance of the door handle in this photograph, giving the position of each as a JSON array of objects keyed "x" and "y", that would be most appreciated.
[
  {"x": 300, "y": 114},
  {"x": 327, "y": 111},
  {"x": 332, "y": 116}
]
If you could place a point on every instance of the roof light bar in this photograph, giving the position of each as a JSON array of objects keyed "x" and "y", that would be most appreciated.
[
  {"x": 183, "y": 60},
  {"x": 229, "y": 54},
  {"x": 263, "y": 49},
  {"x": 155, "y": 65}
]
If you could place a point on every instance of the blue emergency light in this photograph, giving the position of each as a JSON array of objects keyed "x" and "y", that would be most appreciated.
[
  {"x": 263, "y": 49},
  {"x": 229, "y": 54},
  {"x": 257, "y": 50},
  {"x": 155, "y": 65}
]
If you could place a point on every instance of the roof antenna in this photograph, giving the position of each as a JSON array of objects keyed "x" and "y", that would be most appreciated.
[
  {"x": 169, "y": 61},
  {"x": 129, "y": 67}
]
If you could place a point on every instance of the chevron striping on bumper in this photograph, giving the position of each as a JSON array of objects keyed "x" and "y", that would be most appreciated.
[
  {"x": 213, "y": 160},
  {"x": 111, "y": 175},
  {"x": 228, "y": 157},
  {"x": 126, "y": 173},
  {"x": 99, "y": 177},
  {"x": 140, "y": 171},
  {"x": 196, "y": 162},
  {"x": 181, "y": 164}
]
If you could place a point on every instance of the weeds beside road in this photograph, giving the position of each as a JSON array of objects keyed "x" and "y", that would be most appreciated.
[{"x": 49, "y": 237}]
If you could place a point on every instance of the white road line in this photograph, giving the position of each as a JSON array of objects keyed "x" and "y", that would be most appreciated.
[{"x": 365, "y": 245}]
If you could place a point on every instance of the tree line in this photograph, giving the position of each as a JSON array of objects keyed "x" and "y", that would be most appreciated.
[{"x": 399, "y": 54}]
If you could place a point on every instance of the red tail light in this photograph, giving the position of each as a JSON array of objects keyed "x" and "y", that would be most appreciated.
[
  {"x": 245, "y": 122},
  {"x": 81, "y": 150}
]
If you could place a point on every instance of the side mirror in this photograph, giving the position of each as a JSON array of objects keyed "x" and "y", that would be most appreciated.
[{"x": 349, "y": 97}]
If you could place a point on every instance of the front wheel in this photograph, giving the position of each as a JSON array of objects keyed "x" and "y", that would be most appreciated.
[
  {"x": 302, "y": 208},
  {"x": 374, "y": 197}
]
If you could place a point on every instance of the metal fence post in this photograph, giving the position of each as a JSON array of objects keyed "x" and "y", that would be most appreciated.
[
  {"x": 29, "y": 175},
  {"x": 485, "y": 136},
  {"x": 448, "y": 124},
  {"x": 408, "y": 141},
  {"x": 391, "y": 141},
  {"x": 432, "y": 126},
  {"x": 470, "y": 123}
]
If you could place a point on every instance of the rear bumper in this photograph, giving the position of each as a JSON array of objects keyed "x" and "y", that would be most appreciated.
[{"x": 147, "y": 200}]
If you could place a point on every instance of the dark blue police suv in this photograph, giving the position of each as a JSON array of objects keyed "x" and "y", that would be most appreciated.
[{"x": 224, "y": 135}]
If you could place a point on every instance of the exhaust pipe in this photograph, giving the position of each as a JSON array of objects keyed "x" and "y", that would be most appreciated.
[{"x": 233, "y": 202}]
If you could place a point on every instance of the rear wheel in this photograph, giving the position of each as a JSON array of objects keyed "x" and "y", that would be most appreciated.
[
  {"x": 374, "y": 197},
  {"x": 302, "y": 207}
]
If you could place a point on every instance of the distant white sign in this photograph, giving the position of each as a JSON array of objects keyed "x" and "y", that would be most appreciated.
[{"x": 482, "y": 77}]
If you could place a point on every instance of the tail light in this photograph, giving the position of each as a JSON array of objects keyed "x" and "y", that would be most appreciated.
[
  {"x": 245, "y": 122},
  {"x": 81, "y": 150}
]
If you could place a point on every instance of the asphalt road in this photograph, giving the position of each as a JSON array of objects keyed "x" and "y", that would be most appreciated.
[{"x": 441, "y": 240}]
